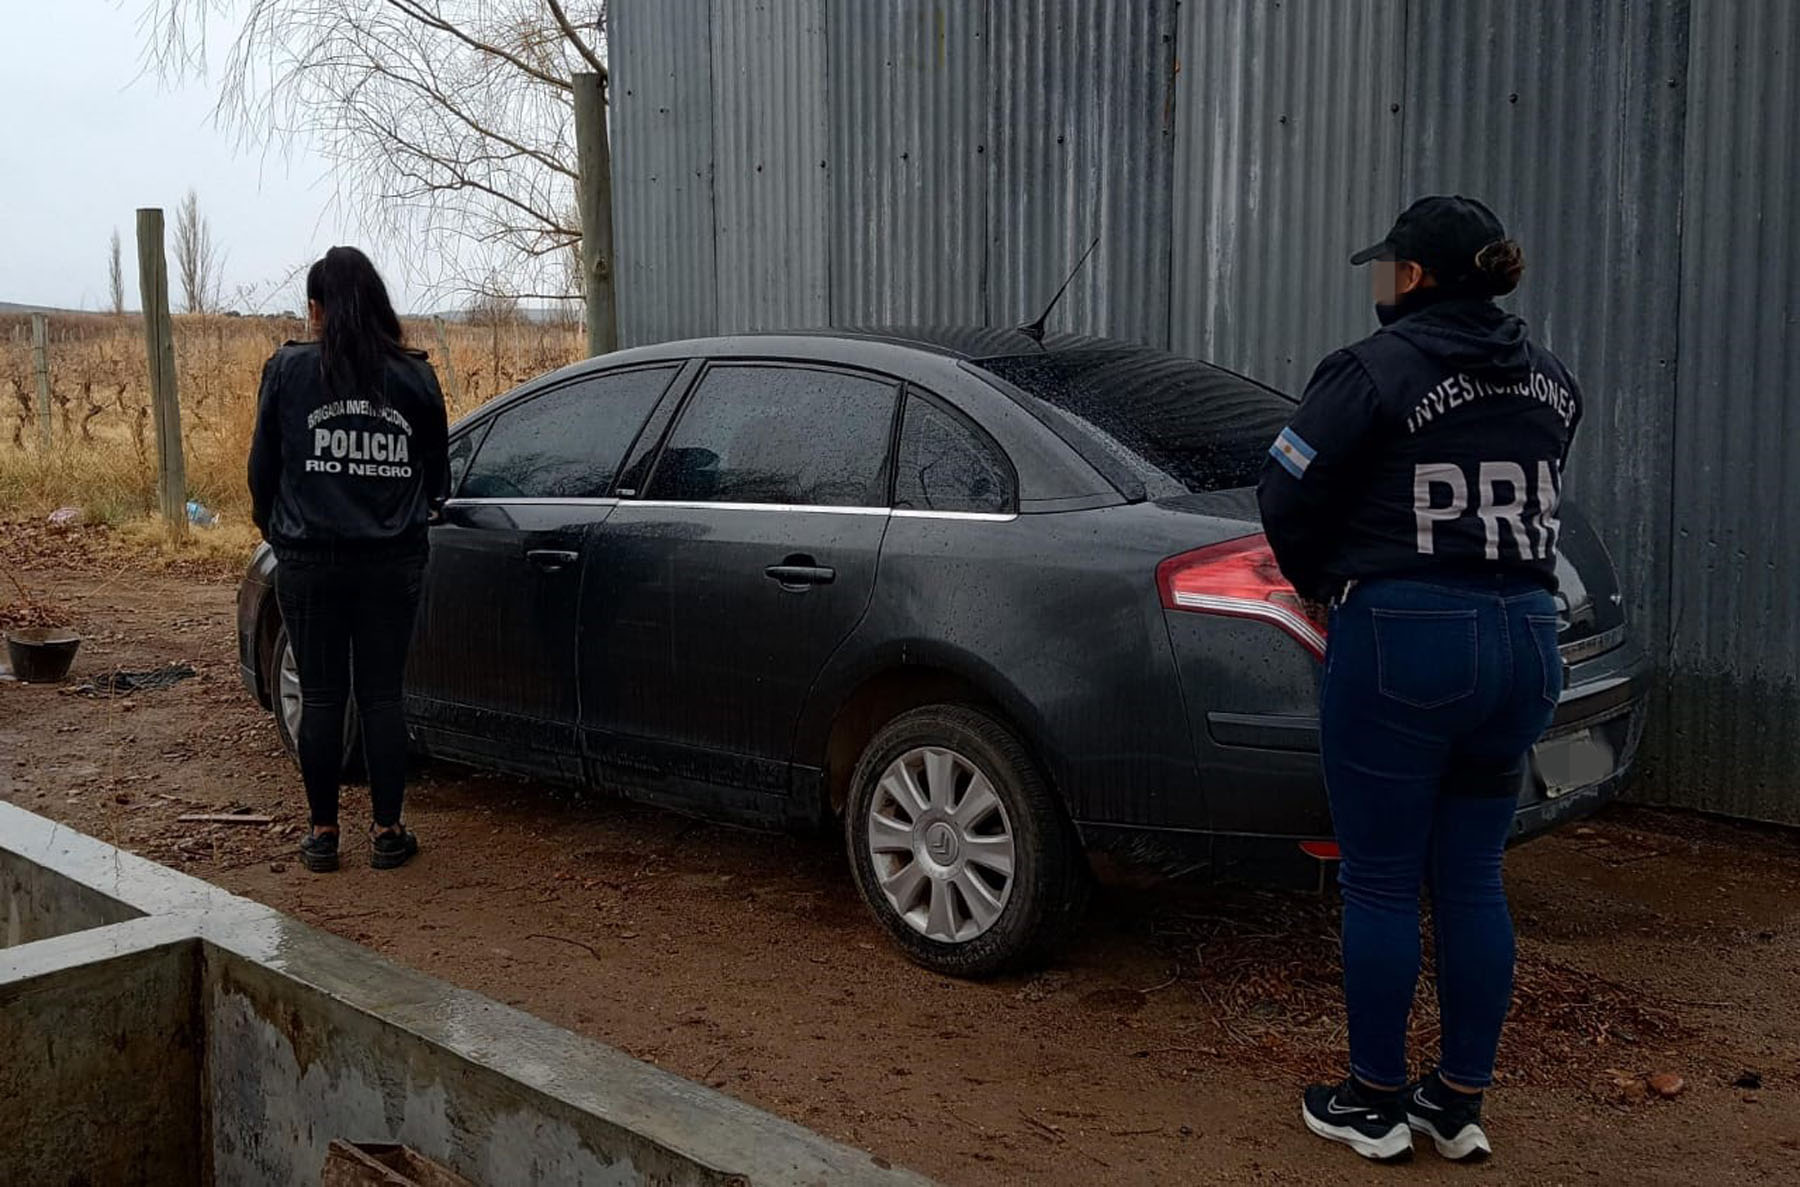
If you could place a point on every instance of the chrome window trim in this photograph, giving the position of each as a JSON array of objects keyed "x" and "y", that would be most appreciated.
[
  {"x": 701, "y": 505},
  {"x": 531, "y": 502},
  {"x": 963, "y": 516}
]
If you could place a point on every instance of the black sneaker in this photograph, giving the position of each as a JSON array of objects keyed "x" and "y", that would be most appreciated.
[
  {"x": 389, "y": 851},
  {"x": 1452, "y": 1120},
  {"x": 319, "y": 852},
  {"x": 1376, "y": 1129}
]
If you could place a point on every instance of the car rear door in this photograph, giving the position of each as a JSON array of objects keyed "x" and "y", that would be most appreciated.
[
  {"x": 711, "y": 602},
  {"x": 493, "y": 673}
]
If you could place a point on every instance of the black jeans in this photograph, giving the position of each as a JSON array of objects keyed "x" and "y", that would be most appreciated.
[{"x": 334, "y": 610}]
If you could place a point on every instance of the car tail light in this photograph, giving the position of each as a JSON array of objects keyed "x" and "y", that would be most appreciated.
[
  {"x": 1323, "y": 850},
  {"x": 1238, "y": 579}
]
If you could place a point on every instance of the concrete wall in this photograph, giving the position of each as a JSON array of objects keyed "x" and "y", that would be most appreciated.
[
  {"x": 292, "y": 1068},
  {"x": 156, "y": 1030},
  {"x": 36, "y": 904},
  {"x": 100, "y": 1073}
]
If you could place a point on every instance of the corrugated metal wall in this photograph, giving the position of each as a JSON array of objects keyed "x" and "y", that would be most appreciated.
[
  {"x": 1733, "y": 742},
  {"x": 1287, "y": 160},
  {"x": 1086, "y": 92},
  {"x": 771, "y": 177},
  {"x": 1559, "y": 116},
  {"x": 662, "y": 131},
  {"x": 909, "y": 95},
  {"x": 947, "y": 161}
]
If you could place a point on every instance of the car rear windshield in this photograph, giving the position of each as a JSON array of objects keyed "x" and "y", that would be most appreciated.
[{"x": 1175, "y": 425}]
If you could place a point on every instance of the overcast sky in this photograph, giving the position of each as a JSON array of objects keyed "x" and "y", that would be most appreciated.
[{"x": 89, "y": 138}]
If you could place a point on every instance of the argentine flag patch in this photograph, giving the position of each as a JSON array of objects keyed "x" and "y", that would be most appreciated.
[{"x": 1292, "y": 451}]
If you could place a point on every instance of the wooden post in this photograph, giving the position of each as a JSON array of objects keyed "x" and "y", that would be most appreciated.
[
  {"x": 40, "y": 367},
  {"x": 594, "y": 156},
  {"x": 159, "y": 347},
  {"x": 450, "y": 388}
]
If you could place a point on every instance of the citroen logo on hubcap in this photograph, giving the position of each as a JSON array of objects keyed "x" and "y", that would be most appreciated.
[{"x": 940, "y": 843}]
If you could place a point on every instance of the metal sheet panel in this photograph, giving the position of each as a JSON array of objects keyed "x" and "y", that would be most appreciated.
[
  {"x": 1084, "y": 105},
  {"x": 1567, "y": 124},
  {"x": 1286, "y": 161},
  {"x": 771, "y": 184},
  {"x": 1732, "y": 730},
  {"x": 662, "y": 132},
  {"x": 910, "y": 131}
]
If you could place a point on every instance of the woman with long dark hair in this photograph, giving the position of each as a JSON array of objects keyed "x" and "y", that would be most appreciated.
[
  {"x": 347, "y": 465},
  {"x": 1416, "y": 492}
]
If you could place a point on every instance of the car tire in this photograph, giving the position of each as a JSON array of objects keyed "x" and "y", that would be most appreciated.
[
  {"x": 284, "y": 691},
  {"x": 968, "y": 882}
]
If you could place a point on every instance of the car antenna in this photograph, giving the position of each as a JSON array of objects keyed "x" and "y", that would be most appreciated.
[{"x": 1035, "y": 330}]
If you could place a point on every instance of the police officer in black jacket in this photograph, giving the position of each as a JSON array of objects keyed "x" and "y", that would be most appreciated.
[
  {"x": 1415, "y": 492},
  {"x": 347, "y": 464}
]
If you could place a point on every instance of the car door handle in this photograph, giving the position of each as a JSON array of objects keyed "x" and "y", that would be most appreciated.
[
  {"x": 800, "y": 576},
  {"x": 551, "y": 560}
]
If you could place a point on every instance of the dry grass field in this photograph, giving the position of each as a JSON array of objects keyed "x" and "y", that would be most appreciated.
[{"x": 102, "y": 454}]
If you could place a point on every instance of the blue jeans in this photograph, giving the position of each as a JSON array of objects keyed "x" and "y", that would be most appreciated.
[{"x": 1434, "y": 692}]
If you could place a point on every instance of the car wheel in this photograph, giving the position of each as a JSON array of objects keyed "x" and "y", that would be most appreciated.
[
  {"x": 287, "y": 704},
  {"x": 959, "y": 846}
]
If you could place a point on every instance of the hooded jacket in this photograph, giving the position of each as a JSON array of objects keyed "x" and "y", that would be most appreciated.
[
  {"x": 1435, "y": 444},
  {"x": 335, "y": 477}
]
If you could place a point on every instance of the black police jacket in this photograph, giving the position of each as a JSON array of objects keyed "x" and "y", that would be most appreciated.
[
  {"x": 1437, "y": 443},
  {"x": 334, "y": 477}
]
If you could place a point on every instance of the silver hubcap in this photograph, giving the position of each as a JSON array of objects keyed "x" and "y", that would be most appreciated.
[
  {"x": 941, "y": 845},
  {"x": 288, "y": 689}
]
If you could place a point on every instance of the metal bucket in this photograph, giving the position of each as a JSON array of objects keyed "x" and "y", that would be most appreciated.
[{"x": 40, "y": 656}]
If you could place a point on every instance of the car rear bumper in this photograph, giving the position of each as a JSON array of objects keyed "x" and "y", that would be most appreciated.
[{"x": 1602, "y": 712}]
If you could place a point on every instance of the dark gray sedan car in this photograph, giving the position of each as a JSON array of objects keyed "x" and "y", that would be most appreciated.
[{"x": 997, "y": 606}]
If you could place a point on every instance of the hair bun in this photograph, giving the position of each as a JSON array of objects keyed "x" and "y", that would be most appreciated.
[{"x": 1500, "y": 265}]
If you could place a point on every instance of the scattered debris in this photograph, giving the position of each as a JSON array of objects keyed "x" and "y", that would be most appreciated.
[
  {"x": 538, "y": 935},
  {"x": 276, "y": 867},
  {"x": 384, "y": 1164},
  {"x": 119, "y": 683},
  {"x": 223, "y": 818},
  {"x": 1625, "y": 1088},
  {"x": 200, "y": 516},
  {"x": 65, "y": 517},
  {"x": 1667, "y": 1085},
  {"x": 1749, "y": 1079}
]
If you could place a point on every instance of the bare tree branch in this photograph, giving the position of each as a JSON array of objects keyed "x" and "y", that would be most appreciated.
[
  {"x": 419, "y": 13},
  {"x": 562, "y": 21},
  {"x": 447, "y": 123}
]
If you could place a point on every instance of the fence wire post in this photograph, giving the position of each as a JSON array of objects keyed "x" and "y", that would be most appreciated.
[
  {"x": 159, "y": 347},
  {"x": 40, "y": 369}
]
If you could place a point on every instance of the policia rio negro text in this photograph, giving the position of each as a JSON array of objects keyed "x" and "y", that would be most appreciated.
[{"x": 1415, "y": 494}]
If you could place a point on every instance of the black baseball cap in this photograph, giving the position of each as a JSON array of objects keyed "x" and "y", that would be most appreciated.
[{"x": 1442, "y": 234}]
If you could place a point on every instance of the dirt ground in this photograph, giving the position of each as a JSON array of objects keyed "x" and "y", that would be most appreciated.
[{"x": 1167, "y": 1047}]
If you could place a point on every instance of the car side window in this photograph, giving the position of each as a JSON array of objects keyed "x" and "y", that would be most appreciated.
[
  {"x": 462, "y": 451},
  {"x": 566, "y": 443},
  {"x": 946, "y": 464},
  {"x": 769, "y": 434}
]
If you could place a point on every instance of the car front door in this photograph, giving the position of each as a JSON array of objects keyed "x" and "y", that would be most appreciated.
[
  {"x": 712, "y": 601},
  {"x": 493, "y": 673}
]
